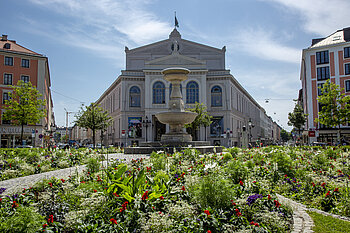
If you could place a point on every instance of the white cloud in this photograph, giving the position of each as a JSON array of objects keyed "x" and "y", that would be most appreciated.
[
  {"x": 265, "y": 45},
  {"x": 321, "y": 17},
  {"x": 102, "y": 25}
]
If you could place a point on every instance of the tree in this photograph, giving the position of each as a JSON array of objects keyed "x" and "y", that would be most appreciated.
[
  {"x": 334, "y": 106},
  {"x": 202, "y": 119},
  {"x": 285, "y": 136},
  {"x": 297, "y": 118},
  {"x": 24, "y": 106},
  {"x": 94, "y": 118}
]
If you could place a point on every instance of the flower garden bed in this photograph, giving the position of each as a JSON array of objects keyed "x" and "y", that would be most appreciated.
[
  {"x": 186, "y": 192},
  {"x": 23, "y": 162}
]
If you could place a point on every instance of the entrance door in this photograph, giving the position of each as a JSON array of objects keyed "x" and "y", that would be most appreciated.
[{"x": 159, "y": 128}]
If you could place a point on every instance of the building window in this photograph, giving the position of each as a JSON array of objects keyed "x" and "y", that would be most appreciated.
[
  {"x": 192, "y": 92},
  {"x": 319, "y": 89},
  {"x": 7, "y": 79},
  {"x": 5, "y": 96},
  {"x": 322, "y": 57},
  {"x": 25, "y": 78},
  {"x": 323, "y": 73},
  {"x": 135, "y": 97},
  {"x": 347, "y": 85},
  {"x": 216, "y": 96},
  {"x": 25, "y": 63},
  {"x": 7, "y": 46},
  {"x": 158, "y": 93},
  {"x": 217, "y": 127},
  {"x": 347, "y": 68},
  {"x": 8, "y": 61},
  {"x": 346, "y": 52}
]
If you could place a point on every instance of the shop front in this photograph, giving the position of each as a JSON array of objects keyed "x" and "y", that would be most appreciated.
[{"x": 10, "y": 136}]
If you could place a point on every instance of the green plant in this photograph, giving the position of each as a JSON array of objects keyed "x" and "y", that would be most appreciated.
[{"x": 93, "y": 165}]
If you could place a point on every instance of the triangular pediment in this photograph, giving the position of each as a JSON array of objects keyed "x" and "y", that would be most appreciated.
[{"x": 175, "y": 60}]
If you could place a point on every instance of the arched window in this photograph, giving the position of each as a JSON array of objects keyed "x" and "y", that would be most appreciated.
[
  {"x": 192, "y": 92},
  {"x": 216, "y": 96},
  {"x": 135, "y": 97},
  {"x": 158, "y": 93}
]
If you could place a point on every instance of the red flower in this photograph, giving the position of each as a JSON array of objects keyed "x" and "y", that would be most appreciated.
[
  {"x": 277, "y": 203},
  {"x": 323, "y": 184},
  {"x": 241, "y": 183},
  {"x": 161, "y": 198},
  {"x": 207, "y": 212},
  {"x": 95, "y": 190},
  {"x": 269, "y": 197},
  {"x": 38, "y": 165},
  {"x": 336, "y": 190},
  {"x": 113, "y": 221},
  {"x": 238, "y": 213},
  {"x": 209, "y": 231},
  {"x": 14, "y": 205},
  {"x": 0, "y": 199},
  {"x": 50, "y": 184},
  {"x": 62, "y": 180},
  {"x": 328, "y": 194},
  {"x": 115, "y": 194},
  {"x": 144, "y": 196},
  {"x": 45, "y": 225},
  {"x": 50, "y": 220},
  {"x": 233, "y": 203},
  {"x": 183, "y": 188},
  {"x": 124, "y": 206}
]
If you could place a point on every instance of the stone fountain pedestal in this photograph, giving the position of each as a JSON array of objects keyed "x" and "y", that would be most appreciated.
[{"x": 177, "y": 138}]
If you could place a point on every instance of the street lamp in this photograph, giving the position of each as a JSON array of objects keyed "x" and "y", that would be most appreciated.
[
  {"x": 146, "y": 123},
  {"x": 251, "y": 125}
]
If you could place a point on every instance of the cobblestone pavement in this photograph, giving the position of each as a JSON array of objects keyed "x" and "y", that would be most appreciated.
[
  {"x": 302, "y": 221},
  {"x": 17, "y": 184}
]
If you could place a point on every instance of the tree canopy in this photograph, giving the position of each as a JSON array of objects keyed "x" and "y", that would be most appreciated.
[
  {"x": 202, "y": 119},
  {"x": 297, "y": 118},
  {"x": 93, "y": 117},
  {"x": 24, "y": 106}
]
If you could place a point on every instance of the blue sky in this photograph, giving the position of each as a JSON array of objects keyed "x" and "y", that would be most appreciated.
[{"x": 84, "y": 40}]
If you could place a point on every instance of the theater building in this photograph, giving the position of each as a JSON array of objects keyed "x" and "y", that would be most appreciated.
[
  {"x": 140, "y": 92},
  {"x": 19, "y": 63}
]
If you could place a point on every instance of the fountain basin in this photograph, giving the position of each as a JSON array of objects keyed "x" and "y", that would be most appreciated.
[
  {"x": 176, "y": 118},
  {"x": 176, "y": 74}
]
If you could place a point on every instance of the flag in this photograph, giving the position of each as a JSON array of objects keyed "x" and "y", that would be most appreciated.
[{"x": 176, "y": 22}]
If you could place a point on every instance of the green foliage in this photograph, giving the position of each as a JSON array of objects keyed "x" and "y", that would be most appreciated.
[
  {"x": 212, "y": 191},
  {"x": 203, "y": 118},
  {"x": 93, "y": 165},
  {"x": 24, "y": 219},
  {"x": 25, "y": 106},
  {"x": 297, "y": 118},
  {"x": 227, "y": 157},
  {"x": 159, "y": 161},
  {"x": 236, "y": 171},
  {"x": 335, "y": 105},
  {"x": 285, "y": 136},
  {"x": 93, "y": 117},
  {"x": 234, "y": 151}
]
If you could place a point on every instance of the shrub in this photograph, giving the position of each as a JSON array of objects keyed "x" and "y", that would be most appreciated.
[{"x": 93, "y": 165}]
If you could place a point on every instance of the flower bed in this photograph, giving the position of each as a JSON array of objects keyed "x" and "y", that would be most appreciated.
[
  {"x": 23, "y": 162},
  {"x": 183, "y": 192}
]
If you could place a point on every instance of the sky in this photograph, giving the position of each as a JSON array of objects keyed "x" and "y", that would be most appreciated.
[{"x": 84, "y": 41}]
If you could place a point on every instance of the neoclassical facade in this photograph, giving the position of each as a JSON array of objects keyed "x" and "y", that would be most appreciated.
[{"x": 140, "y": 92}]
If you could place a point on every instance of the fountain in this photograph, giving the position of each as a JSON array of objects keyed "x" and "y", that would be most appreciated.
[{"x": 176, "y": 116}]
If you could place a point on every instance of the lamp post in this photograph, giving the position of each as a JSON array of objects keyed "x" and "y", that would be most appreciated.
[
  {"x": 146, "y": 123},
  {"x": 251, "y": 125}
]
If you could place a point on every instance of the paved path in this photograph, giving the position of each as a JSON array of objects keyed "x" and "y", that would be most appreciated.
[
  {"x": 17, "y": 184},
  {"x": 302, "y": 221}
]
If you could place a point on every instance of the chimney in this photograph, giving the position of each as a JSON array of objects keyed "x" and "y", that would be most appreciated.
[{"x": 4, "y": 38}]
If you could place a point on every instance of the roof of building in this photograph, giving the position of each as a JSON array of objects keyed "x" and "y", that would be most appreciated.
[
  {"x": 340, "y": 36},
  {"x": 11, "y": 45}
]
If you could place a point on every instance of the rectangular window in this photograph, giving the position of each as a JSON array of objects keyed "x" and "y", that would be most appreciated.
[
  {"x": 323, "y": 73},
  {"x": 25, "y": 78},
  {"x": 8, "y": 61},
  {"x": 346, "y": 52},
  {"x": 347, "y": 68},
  {"x": 319, "y": 89},
  {"x": 7, "y": 79},
  {"x": 25, "y": 63},
  {"x": 322, "y": 57},
  {"x": 217, "y": 127},
  {"x": 347, "y": 85},
  {"x": 5, "y": 96}
]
